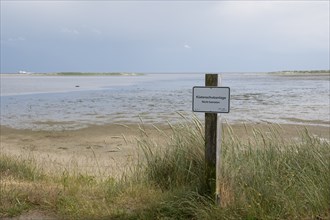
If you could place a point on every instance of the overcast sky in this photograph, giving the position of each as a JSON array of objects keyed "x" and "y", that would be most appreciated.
[{"x": 164, "y": 36}]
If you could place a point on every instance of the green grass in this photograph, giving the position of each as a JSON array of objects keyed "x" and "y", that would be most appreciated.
[
  {"x": 21, "y": 169},
  {"x": 263, "y": 177}
]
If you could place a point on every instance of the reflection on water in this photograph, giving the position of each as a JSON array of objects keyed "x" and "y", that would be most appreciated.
[{"x": 55, "y": 102}]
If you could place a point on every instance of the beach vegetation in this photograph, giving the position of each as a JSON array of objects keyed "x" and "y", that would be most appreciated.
[
  {"x": 19, "y": 168},
  {"x": 263, "y": 176}
]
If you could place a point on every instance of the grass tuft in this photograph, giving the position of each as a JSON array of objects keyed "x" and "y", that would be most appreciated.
[
  {"x": 21, "y": 169},
  {"x": 179, "y": 163}
]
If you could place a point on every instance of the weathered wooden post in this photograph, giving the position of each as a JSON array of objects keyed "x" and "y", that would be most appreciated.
[{"x": 210, "y": 139}]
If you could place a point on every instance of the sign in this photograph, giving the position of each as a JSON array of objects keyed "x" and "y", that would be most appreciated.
[{"x": 211, "y": 99}]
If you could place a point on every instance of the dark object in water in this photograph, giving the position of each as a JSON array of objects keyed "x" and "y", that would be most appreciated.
[{"x": 77, "y": 86}]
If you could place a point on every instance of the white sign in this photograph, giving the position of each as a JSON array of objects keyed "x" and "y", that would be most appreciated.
[{"x": 211, "y": 99}]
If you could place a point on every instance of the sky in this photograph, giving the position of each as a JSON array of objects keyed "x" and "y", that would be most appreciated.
[{"x": 164, "y": 36}]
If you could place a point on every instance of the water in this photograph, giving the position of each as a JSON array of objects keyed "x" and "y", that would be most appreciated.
[{"x": 62, "y": 102}]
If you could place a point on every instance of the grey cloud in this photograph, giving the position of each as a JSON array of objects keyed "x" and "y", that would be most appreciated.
[{"x": 129, "y": 35}]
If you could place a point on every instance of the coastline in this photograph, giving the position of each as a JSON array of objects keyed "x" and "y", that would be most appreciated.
[
  {"x": 104, "y": 150},
  {"x": 301, "y": 73},
  {"x": 70, "y": 74}
]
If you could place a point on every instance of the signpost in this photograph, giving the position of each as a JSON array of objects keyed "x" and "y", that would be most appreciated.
[{"x": 212, "y": 100}]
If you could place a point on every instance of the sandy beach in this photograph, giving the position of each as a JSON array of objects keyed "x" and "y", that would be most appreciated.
[
  {"x": 86, "y": 150},
  {"x": 104, "y": 150}
]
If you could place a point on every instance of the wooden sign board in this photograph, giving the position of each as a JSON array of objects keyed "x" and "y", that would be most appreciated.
[{"x": 211, "y": 99}]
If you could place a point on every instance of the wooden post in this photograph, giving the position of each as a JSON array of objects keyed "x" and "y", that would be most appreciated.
[{"x": 210, "y": 140}]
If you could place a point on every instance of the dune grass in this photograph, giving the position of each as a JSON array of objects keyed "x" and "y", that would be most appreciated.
[{"x": 263, "y": 176}]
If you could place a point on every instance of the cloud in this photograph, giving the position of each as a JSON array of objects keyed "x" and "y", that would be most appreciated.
[
  {"x": 15, "y": 39},
  {"x": 281, "y": 25},
  {"x": 70, "y": 31},
  {"x": 276, "y": 32},
  {"x": 12, "y": 41},
  {"x": 96, "y": 31},
  {"x": 187, "y": 46}
]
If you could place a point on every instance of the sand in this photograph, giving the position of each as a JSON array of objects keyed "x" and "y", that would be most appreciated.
[
  {"x": 103, "y": 150},
  {"x": 96, "y": 150}
]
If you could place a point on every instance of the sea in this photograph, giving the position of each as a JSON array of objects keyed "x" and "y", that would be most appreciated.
[{"x": 52, "y": 102}]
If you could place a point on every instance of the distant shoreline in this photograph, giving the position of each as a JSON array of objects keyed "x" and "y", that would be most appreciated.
[
  {"x": 302, "y": 73},
  {"x": 73, "y": 74},
  {"x": 281, "y": 73}
]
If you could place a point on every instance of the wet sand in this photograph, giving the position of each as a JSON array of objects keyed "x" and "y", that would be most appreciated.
[{"x": 104, "y": 150}]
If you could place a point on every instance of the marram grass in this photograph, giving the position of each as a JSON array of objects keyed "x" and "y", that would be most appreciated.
[{"x": 263, "y": 176}]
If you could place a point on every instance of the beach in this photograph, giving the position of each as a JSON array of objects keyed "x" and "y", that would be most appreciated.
[
  {"x": 109, "y": 147},
  {"x": 94, "y": 128},
  {"x": 91, "y": 123},
  {"x": 109, "y": 150}
]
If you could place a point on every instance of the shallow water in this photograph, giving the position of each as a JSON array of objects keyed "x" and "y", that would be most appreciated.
[{"x": 62, "y": 102}]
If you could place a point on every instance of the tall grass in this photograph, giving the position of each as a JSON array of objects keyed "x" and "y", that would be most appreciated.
[
  {"x": 179, "y": 162},
  {"x": 263, "y": 176},
  {"x": 22, "y": 169},
  {"x": 273, "y": 178},
  {"x": 12, "y": 173}
]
